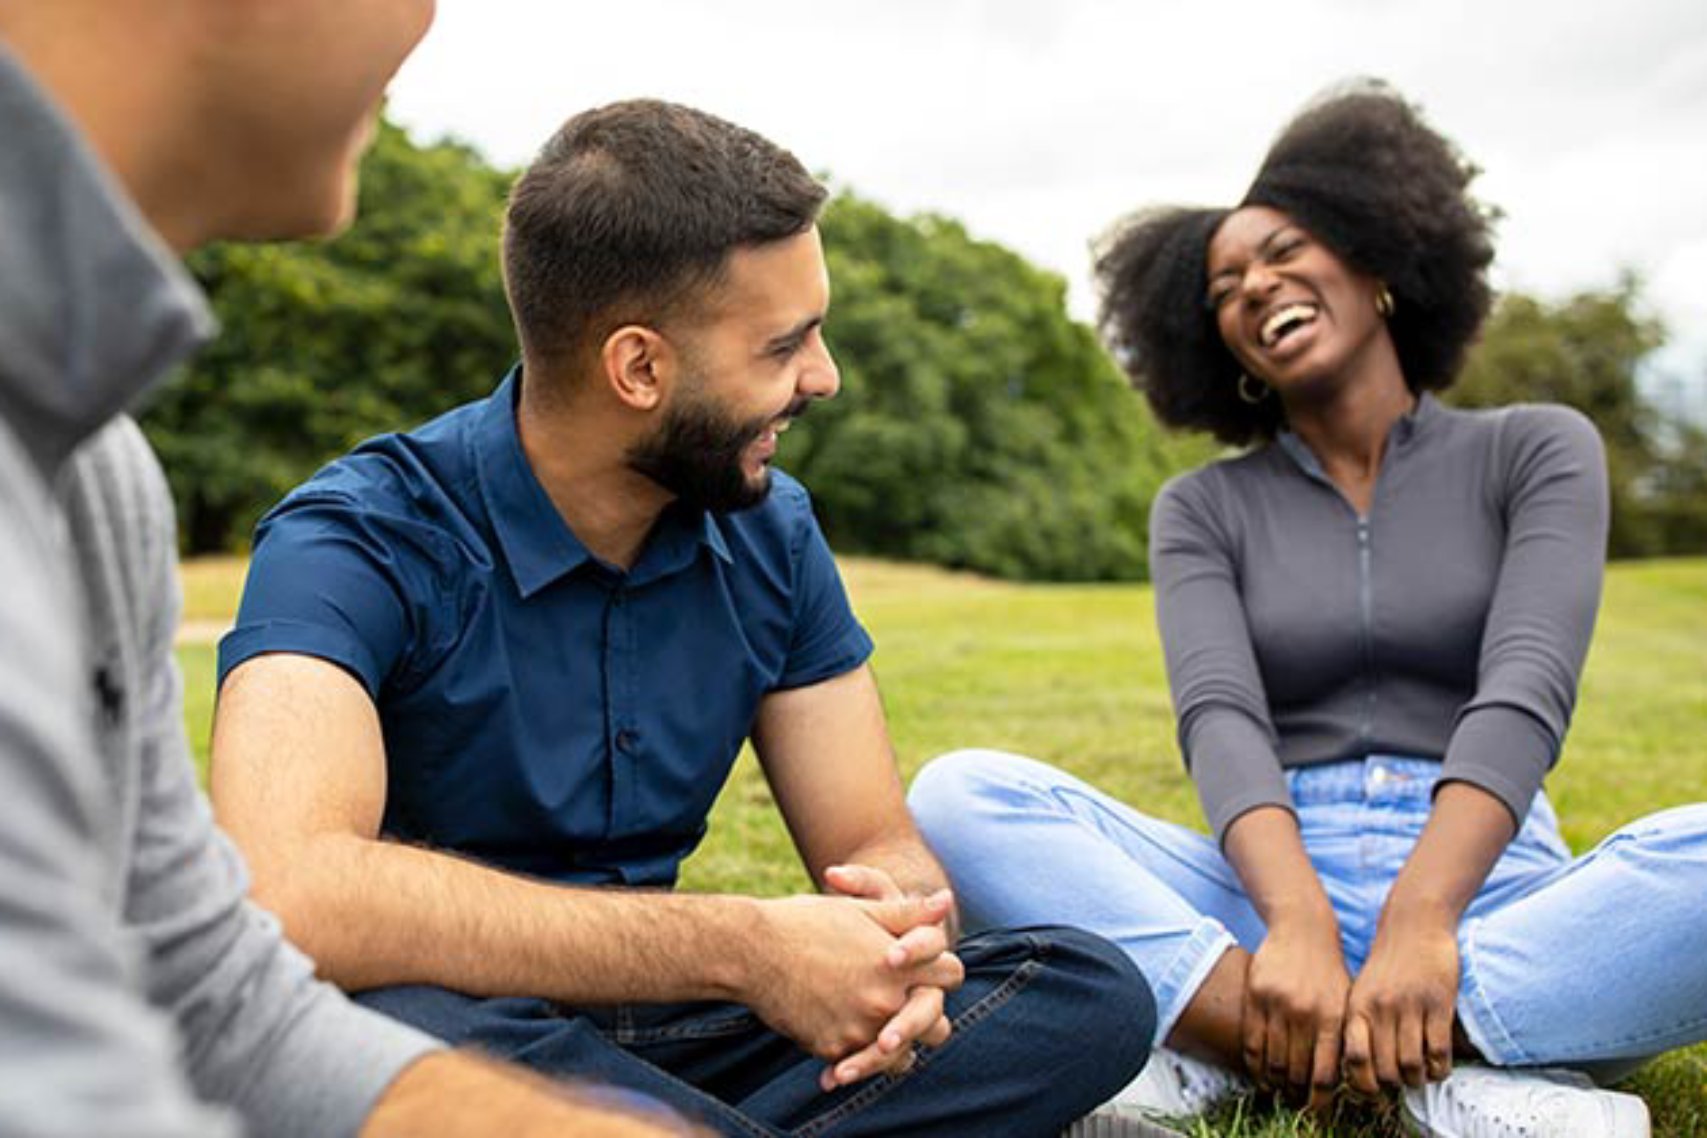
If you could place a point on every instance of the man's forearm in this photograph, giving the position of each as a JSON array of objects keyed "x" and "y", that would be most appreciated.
[
  {"x": 912, "y": 868},
  {"x": 821, "y": 970},
  {"x": 375, "y": 913},
  {"x": 455, "y": 1095},
  {"x": 907, "y": 860}
]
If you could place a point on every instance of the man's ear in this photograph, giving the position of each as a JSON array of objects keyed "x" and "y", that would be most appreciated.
[{"x": 639, "y": 365}]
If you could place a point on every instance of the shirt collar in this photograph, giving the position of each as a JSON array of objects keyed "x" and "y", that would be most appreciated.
[
  {"x": 538, "y": 545},
  {"x": 1406, "y": 428},
  {"x": 1410, "y": 426},
  {"x": 94, "y": 309},
  {"x": 675, "y": 541}
]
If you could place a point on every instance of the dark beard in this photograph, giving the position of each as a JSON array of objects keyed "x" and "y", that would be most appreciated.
[{"x": 696, "y": 455}]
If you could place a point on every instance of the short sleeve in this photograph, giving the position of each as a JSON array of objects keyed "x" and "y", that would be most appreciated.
[
  {"x": 828, "y": 640},
  {"x": 332, "y": 578}
]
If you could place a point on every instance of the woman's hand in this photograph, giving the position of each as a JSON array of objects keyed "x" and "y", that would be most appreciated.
[
  {"x": 1295, "y": 989},
  {"x": 1399, "y": 1019},
  {"x": 1398, "y": 1029},
  {"x": 1295, "y": 1001}
]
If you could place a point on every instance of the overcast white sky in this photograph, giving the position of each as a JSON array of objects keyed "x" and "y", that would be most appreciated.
[{"x": 1038, "y": 122}]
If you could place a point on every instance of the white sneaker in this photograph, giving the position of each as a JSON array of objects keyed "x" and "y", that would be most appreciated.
[
  {"x": 1491, "y": 1102},
  {"x": 1171, "y": 1086}
]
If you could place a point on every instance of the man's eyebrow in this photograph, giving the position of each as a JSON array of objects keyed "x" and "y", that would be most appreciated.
[{"x": 795, "y": 334}]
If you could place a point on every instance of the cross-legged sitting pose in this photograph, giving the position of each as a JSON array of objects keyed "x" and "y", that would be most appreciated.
[
  {"x": 1374, "y": 620},
  {"x": 490, "y": 675}
]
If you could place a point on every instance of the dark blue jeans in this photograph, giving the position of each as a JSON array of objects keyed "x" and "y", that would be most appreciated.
[{"x": 1050, "y": 1023}]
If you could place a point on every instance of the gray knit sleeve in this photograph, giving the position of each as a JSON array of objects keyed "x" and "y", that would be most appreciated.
[
  {"x": 1225, "y": 732},
  {"x": 81, "y": 1052},
  {"x": 259, "y": 1032},
  {"x": 1553, "y": 487}
]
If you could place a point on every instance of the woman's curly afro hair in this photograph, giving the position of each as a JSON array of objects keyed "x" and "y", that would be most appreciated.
[{"x": 1363, "y": 173}]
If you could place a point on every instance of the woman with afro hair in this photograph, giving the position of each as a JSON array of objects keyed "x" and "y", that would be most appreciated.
[{"x": 1374, "y": 618}]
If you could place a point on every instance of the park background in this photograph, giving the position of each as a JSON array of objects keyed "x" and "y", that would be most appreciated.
[{"x": 986, "y": 473}]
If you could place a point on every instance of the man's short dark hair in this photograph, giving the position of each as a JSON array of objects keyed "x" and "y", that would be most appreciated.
[{"x": 631, "y": 211}]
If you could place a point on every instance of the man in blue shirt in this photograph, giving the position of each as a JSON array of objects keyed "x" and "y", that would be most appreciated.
[{"x": 489, "y": 676}]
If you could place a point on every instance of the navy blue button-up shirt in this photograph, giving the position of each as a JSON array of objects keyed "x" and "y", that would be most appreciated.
[{"x": 542, "y": 710}]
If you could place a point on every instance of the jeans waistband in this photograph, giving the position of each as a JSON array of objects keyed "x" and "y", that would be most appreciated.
[{"x": 1373, "y": 778}]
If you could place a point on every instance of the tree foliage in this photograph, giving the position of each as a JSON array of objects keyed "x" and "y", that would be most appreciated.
[
  {"x": 1587, "y": 351},
  {"x": 323, "y": 345},
  {"x": 979, "y": 426}
]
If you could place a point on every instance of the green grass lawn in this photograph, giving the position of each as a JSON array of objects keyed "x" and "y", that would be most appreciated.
[{"x": 1073, "y": 675}]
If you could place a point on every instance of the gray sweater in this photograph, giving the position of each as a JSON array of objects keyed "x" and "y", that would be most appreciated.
[
  {"x": 1449, "y": 623},
  {"x": 138, "y": 987}
]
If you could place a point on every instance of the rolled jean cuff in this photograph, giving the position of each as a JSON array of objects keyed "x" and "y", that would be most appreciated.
[{"x": 1187, "y": 971}]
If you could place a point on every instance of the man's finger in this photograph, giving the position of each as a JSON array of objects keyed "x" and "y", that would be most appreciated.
[
  {"x": 919, "y": 1020},
  {"x": 945, "y": 972},
  {"x": 862, "y": 881},
  {"x": 864, "y": 1064},
  {"x": 921, "y": 1013},
  {"x": 917, "y": 946},
  {"x": 899, "y": 914}
]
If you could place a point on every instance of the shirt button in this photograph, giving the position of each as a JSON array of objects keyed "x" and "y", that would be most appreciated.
[{"x": 627, "y": 742}]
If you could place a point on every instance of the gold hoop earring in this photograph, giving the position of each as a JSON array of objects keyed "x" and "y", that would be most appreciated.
[
  {"x": 1245, "y": 392},
  {"x": 1384, "y": 301}
]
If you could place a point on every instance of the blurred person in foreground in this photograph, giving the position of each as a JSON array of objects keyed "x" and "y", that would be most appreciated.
[
  {"x": 1374, "y": 620},
  {"x": 489, "y": 676},
  {"x": 140, "y": 993}
]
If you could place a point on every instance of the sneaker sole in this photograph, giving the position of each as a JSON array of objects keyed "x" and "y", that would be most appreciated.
[
  {"x": 1623, "y": 1115},
  {"x": 1108, "y": 1126}
]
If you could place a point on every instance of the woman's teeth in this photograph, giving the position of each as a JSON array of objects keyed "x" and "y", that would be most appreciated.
[{"x": 1285, "y": 321}]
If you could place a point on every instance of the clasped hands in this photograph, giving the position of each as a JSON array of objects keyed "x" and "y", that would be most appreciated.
[
  {"x": 1307, "y": 1024},
  {"x": 858, "y": 976}
]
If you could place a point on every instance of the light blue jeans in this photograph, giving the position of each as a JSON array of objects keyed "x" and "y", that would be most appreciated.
[{"x": 1580, "y": 962}]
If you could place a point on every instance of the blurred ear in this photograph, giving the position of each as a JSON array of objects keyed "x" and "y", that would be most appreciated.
[{"x": 638, "y": 365}]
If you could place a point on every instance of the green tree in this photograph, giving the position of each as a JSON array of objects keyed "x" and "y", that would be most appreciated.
[
  {"x": 324, "y": 345},
  {"x": 1587, "y": 351},
  {"x": 980, "y": 427}
]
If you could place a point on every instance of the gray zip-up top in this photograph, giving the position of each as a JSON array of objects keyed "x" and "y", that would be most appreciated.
[
  {"x": 1450, "y": 623},
  {"x": 137, "y": 985}
]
